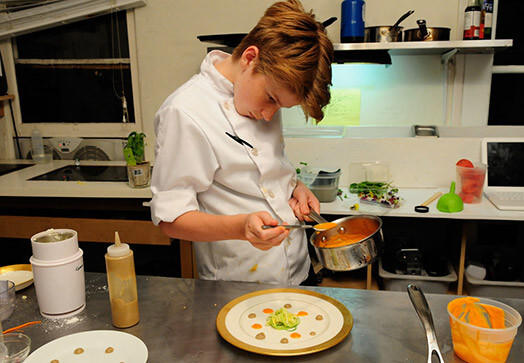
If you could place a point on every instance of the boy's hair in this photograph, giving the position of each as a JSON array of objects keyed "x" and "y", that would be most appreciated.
[{"x": 295, "y": 51}]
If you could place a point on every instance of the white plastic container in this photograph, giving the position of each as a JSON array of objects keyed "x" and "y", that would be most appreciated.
[
  {"x": 477, "y": 287},
  {"x": 429, "y": 284},
  {"x": 60, "y": 286},
  {"x": 58, "y": 273}
]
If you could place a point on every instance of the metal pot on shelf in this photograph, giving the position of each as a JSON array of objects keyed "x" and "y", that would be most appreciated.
[
  {"x": 425, "y": 33},
  {"x": 355, "y": 255},
  {"x": 386, "y": 33}
]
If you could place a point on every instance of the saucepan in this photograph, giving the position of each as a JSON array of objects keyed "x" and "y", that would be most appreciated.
[
  {"x": 358, "y": 253},
  {"x": 386, "y": 33},
  {"x": 424, "y": 33}
]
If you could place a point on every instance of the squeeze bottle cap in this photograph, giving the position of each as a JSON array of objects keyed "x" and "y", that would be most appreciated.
[{"x": 118, "y": 249}]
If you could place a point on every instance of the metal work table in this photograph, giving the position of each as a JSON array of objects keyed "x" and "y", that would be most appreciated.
[{"x": 178, "y": 322}]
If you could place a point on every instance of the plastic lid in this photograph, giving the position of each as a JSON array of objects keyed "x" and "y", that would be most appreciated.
[{"x": 119, "y": 250}]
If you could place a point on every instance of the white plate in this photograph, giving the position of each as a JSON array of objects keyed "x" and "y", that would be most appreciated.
[
  {"x": 126, "y": 348},
  {"x": 21, "y": 275},
  {"x": 242, "y": 319}
]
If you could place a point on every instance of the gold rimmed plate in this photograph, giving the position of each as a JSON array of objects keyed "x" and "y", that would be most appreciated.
[
  {"x": 21, "y": 275},
  {"x": 324, "y": 322}
]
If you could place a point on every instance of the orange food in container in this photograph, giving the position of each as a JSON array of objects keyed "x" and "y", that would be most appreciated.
[
  {"x": 482, "y": 330},
  {"x": 470, "y": 182}
]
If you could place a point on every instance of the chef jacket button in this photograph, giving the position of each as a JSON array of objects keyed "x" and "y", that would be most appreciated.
[
  {"x": 293, "y": 182},
  {"x": 254, "y": 151},
  {"x": 271, "y": 194}
]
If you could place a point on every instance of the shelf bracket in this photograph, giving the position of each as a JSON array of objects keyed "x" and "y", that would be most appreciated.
[{"x": 446, "y": 97}]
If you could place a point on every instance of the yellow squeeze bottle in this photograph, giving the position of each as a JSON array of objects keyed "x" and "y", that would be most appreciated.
[{"x": 121, "y": 280}]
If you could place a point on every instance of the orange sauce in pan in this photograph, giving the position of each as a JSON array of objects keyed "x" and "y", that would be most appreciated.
[{"x": 356, "y": 230}]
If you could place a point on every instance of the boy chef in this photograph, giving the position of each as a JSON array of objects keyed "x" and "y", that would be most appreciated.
[{"x": 221, "y": 173}]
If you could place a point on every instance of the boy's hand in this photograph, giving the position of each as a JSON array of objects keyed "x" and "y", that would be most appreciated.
[
  {"x": 303, "y": 201},
  {"x": 263, "y": 239}
]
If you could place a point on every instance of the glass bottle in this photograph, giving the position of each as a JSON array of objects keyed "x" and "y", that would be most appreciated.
[
  {"x": 121, "y": 280},
  {"x": 486, "y": 21},
  {"x": 472, "y": 20}
]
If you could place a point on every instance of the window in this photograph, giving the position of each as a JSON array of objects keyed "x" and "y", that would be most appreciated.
[
  {"x": 76, "y": 73},
  {"x": 508, "y": 68}
]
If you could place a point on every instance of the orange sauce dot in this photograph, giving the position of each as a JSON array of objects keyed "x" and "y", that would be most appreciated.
[
  {"x": 256, "y": 326},
  {"x": 295, "y": 335},
  {"x": 268, "y": 311},
  {"x": 302, "y": 313}
]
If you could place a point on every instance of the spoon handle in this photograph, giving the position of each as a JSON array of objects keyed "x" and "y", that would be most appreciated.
[
  {"x": 316, "y": 217},
  {"x": 289, "y": 226}
]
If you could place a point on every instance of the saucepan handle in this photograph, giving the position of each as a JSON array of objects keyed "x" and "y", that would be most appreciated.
[{"x": 422, "y": 308}]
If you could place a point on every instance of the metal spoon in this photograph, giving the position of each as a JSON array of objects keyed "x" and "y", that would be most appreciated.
[
  {"x": 316, "y": 227},
  {"x": 289, "y": 226},
  {"x": 422, "y": 308}
]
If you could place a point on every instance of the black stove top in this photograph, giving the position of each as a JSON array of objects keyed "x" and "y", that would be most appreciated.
[
  {"x": 109, "y": 173},
  {"x": 8, "y": 168}
]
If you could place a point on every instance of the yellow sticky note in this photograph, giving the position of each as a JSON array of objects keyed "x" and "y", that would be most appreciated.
[{"x": 344, "y": 108}]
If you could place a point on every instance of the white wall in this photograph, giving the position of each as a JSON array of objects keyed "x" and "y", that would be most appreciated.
[{"x": 169, "y": 52}]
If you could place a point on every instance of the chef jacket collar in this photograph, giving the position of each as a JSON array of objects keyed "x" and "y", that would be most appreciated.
[{"x": 208, "y": 70}]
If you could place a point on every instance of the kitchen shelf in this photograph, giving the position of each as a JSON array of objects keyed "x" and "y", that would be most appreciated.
[{"x": 433, "y": 47}]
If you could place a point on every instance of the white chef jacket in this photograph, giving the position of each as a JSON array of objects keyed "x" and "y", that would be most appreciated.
[{"x": 199, "y": 167}]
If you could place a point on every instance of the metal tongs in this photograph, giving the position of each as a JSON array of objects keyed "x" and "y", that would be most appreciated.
[{"x": 422, "y": 308}]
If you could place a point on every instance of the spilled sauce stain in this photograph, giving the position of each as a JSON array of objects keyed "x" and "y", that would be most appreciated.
[{"x": 254, "y": 268}]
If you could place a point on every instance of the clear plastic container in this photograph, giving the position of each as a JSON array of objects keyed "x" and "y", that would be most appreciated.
[
  {"x": 322, "y": 182},
  {"x": 470, "y": 183},
  {"x": 475, "y": 344}
]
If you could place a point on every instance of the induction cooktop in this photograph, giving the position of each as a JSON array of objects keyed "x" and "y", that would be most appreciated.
[
  {"x": 8, "y": 168},
  {"x": 104, "y": 173}
]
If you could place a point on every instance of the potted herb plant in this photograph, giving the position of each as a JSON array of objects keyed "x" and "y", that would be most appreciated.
[{"x": 138, "y": 170}]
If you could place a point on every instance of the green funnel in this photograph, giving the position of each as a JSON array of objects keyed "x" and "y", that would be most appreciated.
[{"x": 450, "y": 202}]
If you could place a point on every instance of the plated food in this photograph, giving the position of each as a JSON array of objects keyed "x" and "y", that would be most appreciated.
[
  {"x": 92, "y": 346},
  {"x": 284, "y": 322}
]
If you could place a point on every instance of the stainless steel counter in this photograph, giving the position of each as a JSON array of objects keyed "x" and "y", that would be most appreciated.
[{"x": 178, "y": 322}]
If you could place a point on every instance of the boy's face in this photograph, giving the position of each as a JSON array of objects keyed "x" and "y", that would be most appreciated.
[{"x": 259, "y": 96}]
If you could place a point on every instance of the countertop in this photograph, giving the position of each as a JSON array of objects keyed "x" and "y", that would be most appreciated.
[
  {"x": 16, "y": 184},
  {"x": 177, "y": 322}
]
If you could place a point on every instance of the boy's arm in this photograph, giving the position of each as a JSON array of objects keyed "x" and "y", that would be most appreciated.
[{"x": 202, "y": 227}]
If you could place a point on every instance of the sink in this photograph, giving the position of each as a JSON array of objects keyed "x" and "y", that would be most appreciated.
[
  {"x": 9, "y": 168},
  {"x": 106, "y": 173}
]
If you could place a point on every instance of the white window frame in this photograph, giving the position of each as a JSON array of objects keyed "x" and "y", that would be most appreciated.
[{"x": 93, "y": 129}]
